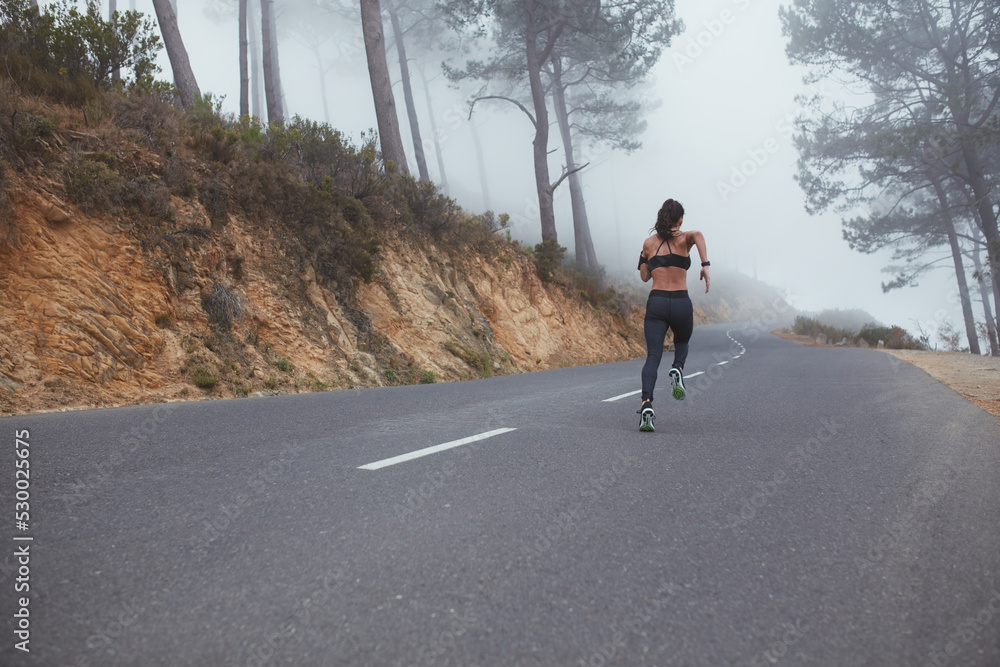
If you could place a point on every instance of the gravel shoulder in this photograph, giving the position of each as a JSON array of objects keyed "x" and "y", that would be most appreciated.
[{"x": 977, "y": 378}]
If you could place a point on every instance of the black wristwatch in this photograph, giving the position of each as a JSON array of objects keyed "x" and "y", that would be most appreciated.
[{"x": 706, "y": 264}]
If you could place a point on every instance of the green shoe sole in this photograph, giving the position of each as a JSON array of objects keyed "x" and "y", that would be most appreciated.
[
  {"x": 646, "y": 423},
  {"x": 678, "y": 384}
]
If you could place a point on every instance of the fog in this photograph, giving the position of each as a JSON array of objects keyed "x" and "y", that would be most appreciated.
[{"x": 726, "y": 96}]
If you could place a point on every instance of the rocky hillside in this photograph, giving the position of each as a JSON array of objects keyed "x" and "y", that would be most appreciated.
[{"x": 148, "y": 255}]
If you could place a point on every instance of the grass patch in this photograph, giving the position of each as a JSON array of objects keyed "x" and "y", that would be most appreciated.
[{"x": 481, "y": 362}]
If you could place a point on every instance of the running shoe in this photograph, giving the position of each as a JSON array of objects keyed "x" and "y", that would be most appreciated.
[
  {"x": 646, "y": 417},
  {"x": 677, "y": 381}
]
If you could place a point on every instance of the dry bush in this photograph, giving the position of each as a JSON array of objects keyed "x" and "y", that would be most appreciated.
[
  {"x": 223, "y": 307},
  {"x": 153, "y": 117},
  {"x": 148, "y": 197},
  {"x": 214, "y": 196}
]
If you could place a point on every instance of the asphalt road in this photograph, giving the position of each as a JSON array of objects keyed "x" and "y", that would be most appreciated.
[{"x": 802, "y": 507}]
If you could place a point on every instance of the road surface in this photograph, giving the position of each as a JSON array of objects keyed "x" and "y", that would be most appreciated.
[{"x": 803, "y": 506}]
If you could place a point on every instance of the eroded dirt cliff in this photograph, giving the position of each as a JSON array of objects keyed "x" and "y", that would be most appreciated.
[{"x": 91, "y": 317}]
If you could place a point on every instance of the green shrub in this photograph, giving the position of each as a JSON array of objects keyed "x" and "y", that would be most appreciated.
[
  {"x": 427, "y": 377},
  {"x": 548, "y": 255},
  {"x": 429, "y": 210},
  {"x": 93, "y": 186},
  {"x": 165, "y": 321},
  {"x": 806, "y": 326},
  {"x": 67, "y": 53},
  {"x": 203, "y": 378},
  {"x": 479, "y": 361},
  {"x": 282, "y": 364}
]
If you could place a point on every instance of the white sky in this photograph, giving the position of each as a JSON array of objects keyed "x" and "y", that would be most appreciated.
[{"x": 734, "y": 97}]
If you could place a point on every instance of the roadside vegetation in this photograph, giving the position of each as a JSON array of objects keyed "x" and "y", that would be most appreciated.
[
  {"x": 869, "y": 335},
  {"x": 83, "y": 110}
]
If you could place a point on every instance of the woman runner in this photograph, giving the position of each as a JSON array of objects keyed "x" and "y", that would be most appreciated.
[{"x": 669, "y": 305}]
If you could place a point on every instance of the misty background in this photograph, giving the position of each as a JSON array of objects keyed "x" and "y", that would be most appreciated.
[{"x": 723, "y": 93}]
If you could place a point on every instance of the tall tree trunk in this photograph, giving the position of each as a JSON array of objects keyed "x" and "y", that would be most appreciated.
[
  {"x": 956, "y": 256},
  {"x": 179, "y": 62},
  {"x": 984, "y": 295},
  {"x": 986, "y": 217},
  {"x": 256, "y": 67},
  {"x": 378, "y": 72},
  {"x": 586, "y": 257},
  {"x": 275, "y": 114},
  {"x": 484, "y": 182},
  {"x": 540, "y": 144},
  {"x": 982, "y": 215},
  {"x": 244, "y": 65},
  {"x": 411, "y": 109},
  {"x": 443, "y": 178},
  {"x": 322, "y": 83},
  {"x": 116, "y": 73},
  {"x": 276, "y": 62}
]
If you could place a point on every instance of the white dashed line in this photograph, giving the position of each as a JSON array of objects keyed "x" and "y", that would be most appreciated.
[
  {"x": 433, "y": 450},
  {"x": 743, "y": 351},
  {"x": 618, "y": 398},
  {"x": 639, "y": 391}
]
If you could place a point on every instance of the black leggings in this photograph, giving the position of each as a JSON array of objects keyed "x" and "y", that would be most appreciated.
[{"x": 665, "y": 309}]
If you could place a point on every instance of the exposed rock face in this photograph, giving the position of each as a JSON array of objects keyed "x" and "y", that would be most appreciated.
[{"x": 90, "y": 317}]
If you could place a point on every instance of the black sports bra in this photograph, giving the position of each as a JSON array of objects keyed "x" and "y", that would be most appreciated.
[{"x": 670, "y": 259}]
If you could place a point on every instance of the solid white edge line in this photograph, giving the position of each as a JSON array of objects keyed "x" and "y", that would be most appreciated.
[
  {"x": 433, "y": 450},
  {"x": 694, "y": 375},
  {"x": 618, "y": 398}
]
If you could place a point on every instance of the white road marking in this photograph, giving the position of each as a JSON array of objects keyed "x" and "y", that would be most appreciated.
[
  {"x": 639, "y": 391},
  {"x": 433, "y": 450},
  {"x": 618, "y": 398},
  {"x": 743, "y": 351}
]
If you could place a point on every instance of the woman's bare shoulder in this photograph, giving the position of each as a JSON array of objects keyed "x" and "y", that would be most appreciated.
[{"x": 691, "y": 236}]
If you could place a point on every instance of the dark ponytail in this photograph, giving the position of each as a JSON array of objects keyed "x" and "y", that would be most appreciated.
[{"x": 666, "y": 220}]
